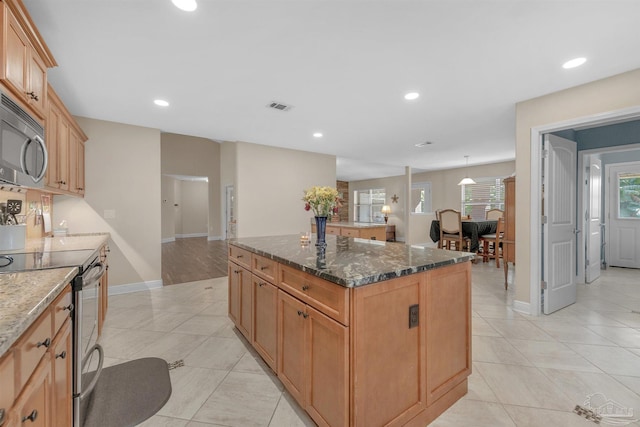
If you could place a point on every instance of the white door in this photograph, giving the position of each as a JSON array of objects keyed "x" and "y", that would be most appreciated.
[
  {"x": 594, "y": 220},
  {"x": 623, "y": 223},
  {"x": 559, "y": 269}
]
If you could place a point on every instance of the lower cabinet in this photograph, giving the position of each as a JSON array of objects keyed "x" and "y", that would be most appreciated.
[
  {"x": 313, "y": 360},
  {"x": 37, "y": 371},
  {"x": 265, "y": 306},
  {"x": 240, "y": 298},
  {"x": 393, "y": 353}
]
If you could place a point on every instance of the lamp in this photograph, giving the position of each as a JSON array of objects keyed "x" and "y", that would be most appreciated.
[
  {"x": 386, "y": 210},
  {"x": 466, "y": 180}
]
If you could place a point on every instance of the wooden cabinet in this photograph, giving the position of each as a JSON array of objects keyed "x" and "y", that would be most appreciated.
[
  {"x": 372, "y": 232},
  {"x": 36, "y": 372},
  {"x": 395, "y": 353},
  {"x": 65, "y": 143},
  {"x": 240, "y": 309},
  {"x": 509, "y": 241},
  {"x": 25, "y": 58},
  {"x": 313, "y": 360}
]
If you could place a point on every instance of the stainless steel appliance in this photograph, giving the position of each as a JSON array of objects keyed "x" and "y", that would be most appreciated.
[
  {"x": 88, "y": 356},
  {"x": 23, "y": 154}
]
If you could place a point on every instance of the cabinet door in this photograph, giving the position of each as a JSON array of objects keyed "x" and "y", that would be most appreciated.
[
  {"x": 292, "y": 345},
  {"x": 36, "y": 89},
  {"x": 327, "y": 393},
  {"x": 240, "y": 308},
  {"x": 7, "y": 374},
  {"x": 76, "y": 162},
  {"x": 16, "y": 55},
  {"x": 63, "y": 154},
  {"x": 62, "y": 384},
  {"x": 52, "y": 128},
  {"x": 34, "y": 405},
  {"x": 265, "y": 308}
]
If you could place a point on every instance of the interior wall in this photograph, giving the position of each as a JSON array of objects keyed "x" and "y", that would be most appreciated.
[
  {"x": 270, "y": 186},
  {"x": 194, "y": 199},
  {"x": 168, "y": 210},
  {"x": 228, "y": 177},
  {"x": 122, "y": 177},
  {"x": 193, "y": 156},
  {"x": 607, "y": 95}
]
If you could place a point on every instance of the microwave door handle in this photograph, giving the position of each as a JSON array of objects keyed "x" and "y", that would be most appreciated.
[
  {"x": 23, "y": 155},
  {"x": 45, "y": 158}
]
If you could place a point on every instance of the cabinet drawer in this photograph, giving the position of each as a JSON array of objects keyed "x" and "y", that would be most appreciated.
[
  {"x": 240, "y": 256},
  {"x": 351, "y": 232},
  {"x": 333, "y": 230},
  {"x": 7, "y": 381},
  {"x": 264, "y": 267},
  {"x": 32, "y": 346},
  {"x": 61, "y": 309},
  {"x": 328, "y": 298}
]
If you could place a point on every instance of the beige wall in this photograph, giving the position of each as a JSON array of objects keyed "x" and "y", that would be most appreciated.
[
  {"x": 269, "y": 187},
  {"x": 122, "y": 173},
  {"x": 194, "y": 200},
  {"x": 445, "y": 193},
  {"x": 193, "y": 156},
  {"x": 602, "y": 96}
]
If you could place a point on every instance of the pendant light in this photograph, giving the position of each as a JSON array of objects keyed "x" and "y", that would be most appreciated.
[{"x": 466, "y": 180}]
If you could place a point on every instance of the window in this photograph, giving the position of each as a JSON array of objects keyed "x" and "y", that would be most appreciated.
[
  {"x": 629, "y": 200},
  {"x": 368, "y": 205},
  {"x": 420, "y": 197},
  {"x": 478, "y": 198}
]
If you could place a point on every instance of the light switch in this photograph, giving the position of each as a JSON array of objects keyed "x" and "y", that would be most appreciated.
[{"x": 109, "y": 214}]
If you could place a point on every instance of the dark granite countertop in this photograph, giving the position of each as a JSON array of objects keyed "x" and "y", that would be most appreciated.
[{"x": 351, "y": 262}]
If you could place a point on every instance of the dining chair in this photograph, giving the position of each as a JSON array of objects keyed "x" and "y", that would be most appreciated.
[
  {"x": 494, "y": 214},
  {"x": 451, "y": 230},
  {"x": 494, "y": 240}
]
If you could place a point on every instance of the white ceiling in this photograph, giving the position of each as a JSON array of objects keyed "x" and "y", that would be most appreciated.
[{"x": 343, "y": 65}]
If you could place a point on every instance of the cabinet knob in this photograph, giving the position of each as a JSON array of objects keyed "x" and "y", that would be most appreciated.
[
  {"x": 305, "y": 288},
  {"x": 264, "y": 267},
  {"x": 68, "y": 307},
  {"x": 237, "y": 271},
  {"x": 261, "y": 284},
  {"x": 45, "y": 343},
  {"x": 31, "y": 417},
  {"x": 62, "y": 355},
  {"x": 32, "y": 95}
]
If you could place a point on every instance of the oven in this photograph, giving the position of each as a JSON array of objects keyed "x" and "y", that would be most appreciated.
[{"x": 88, "y": 354}]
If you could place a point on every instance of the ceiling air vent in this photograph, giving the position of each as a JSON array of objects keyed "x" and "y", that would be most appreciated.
[{"x": 279, "y": 106}]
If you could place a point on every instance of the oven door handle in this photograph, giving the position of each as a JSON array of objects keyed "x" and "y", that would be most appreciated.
[
  {"x": 84, "y": 393},
  {"x": 89, "y": 278}
]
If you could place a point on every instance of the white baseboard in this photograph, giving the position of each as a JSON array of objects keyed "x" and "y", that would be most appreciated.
[
  {"x": 168, "y": 240},
  {"x": 135, "y": 287},
  {"x": 186, "y": 236},
  {"x": 215, "y": 238},
  {"x": 521, "y": 307}
]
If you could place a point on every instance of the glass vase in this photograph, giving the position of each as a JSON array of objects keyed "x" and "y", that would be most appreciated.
[{"x": 321, "y": 230}]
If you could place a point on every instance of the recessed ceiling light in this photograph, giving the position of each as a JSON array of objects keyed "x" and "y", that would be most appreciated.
[
  {"x": 186, "y": 5},
  {"x": 411, "y": 96},
  {"x": 161, "y": 102},
  {"x": 575, "y": 62},
  {"x": 317, "y": 135}
]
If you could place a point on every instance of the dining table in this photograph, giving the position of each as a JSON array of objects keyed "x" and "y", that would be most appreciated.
[{"x": 471, "y": 228}]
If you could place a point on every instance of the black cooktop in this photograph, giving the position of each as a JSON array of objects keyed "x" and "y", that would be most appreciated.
[{"x": 14, "y": 262}]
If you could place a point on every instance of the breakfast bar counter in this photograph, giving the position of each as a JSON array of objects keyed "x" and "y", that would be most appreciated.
[{"x": 361, "y": 333}]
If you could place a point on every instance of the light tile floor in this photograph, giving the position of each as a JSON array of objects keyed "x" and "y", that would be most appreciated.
[{"x": 527, "y": 371}]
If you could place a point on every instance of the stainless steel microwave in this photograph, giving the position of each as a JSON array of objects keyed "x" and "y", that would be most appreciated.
[{"x": 23, "y": 154}]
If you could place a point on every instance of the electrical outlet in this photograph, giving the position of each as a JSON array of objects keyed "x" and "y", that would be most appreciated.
[{"x": 414, "y": 315}]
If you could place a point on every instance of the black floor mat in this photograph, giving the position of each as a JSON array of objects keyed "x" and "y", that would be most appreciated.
[{"x": 128, "y": 393}]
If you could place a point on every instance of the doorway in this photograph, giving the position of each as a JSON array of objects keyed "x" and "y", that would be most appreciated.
[{"x": 536, "y": 246}]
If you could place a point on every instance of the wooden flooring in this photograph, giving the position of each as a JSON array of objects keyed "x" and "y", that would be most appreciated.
[{"x": 192, "y": 259}]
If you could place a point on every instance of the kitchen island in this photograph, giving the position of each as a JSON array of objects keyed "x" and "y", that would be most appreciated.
[{"x": 363, "y": 333}]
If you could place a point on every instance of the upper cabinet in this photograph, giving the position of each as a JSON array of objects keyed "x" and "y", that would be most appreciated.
[
  {"x": 65, "y": 144},
  {"x": 25, "y": 58}
]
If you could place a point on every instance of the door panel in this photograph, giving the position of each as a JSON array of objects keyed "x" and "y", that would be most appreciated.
[
  {"x": 624, "y": 215},
  {"x": 594, "y": 220},
  {"x": 559, "y": 230}
]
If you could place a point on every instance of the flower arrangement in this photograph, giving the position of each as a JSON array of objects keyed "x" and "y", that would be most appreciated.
[{"x": 323, "y": 201}]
